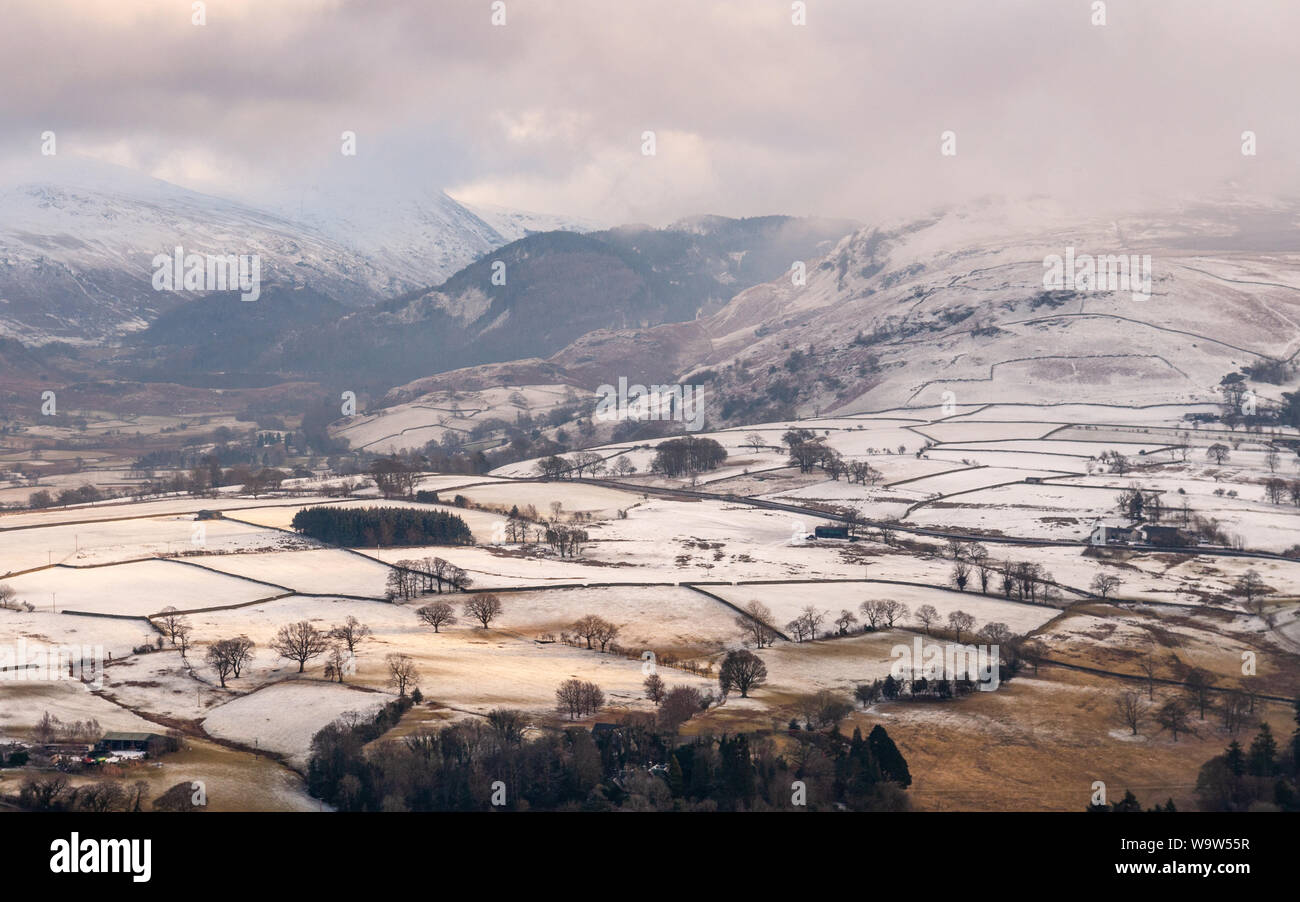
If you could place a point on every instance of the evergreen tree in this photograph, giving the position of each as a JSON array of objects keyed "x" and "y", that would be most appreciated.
[
  {"x": 892, "y": 764},
  {"x": 1262, "y": 758},
  {"x": 1235, "y": 759},
  {"x": 1128, "y": 803}
]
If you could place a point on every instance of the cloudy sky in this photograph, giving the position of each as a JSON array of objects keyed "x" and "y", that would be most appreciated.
[{"x": 752, "y": 114}]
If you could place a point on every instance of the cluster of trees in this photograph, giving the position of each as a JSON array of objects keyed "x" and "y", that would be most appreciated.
[
  {"x": 1019, "y": 580},
  {"x": 1262, "y": 777},
  {"x": 1130, "y": 803},
  {"x": 483, "y": 607},
  {"x": 83, "y": 494},
  {"x": 1138, "y": 504},
  {"x": 578, "y": 698},
  {"x": 676, "y": 705},
  {"x": 581, "y": 463},
  {"x": 50, "y": 729},
  {"x": 687, "y": 456},
  {"x": 408, "y": 578},
  {"x": 808, "y": 450},
  {"x": 479, "y": 764},
  {"x": 228, "y": 657},
  {"x": 55, "y": 792},
  {"x": 567, "y": 541},
  {"x": 394, "y": 477},
  {"x": 382, "y": 526},
  {"x": 893, "y": 688},
  {"x": 595, "y": 631},
  {"x": 1278, "y": 491},
  {"x": 1174, "y": 712},
  {"x": 821, "y": 710},
  {"x": 757, "y": 626}
]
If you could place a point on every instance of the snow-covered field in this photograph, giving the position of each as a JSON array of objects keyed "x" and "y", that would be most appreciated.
[
  {"x": 643, "y": 551},
  {"x": 135, "y": 589}
]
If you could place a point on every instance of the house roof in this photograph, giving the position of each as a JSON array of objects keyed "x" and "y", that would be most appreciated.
[{"x": 115, "y": 736}]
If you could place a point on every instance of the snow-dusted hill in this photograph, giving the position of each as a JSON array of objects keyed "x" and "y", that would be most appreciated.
[
  {"x": 77, "y": 240},
  {"x": 515, "y": 224},
  {"x": 900, "y": 314},
  {"x": 417, "y": 235}
]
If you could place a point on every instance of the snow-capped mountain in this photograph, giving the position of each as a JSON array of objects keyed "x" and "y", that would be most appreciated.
[
  {"x": 515, "y": 224},
  {"x": 415, "y": 234},
  {"x": 78, "y": 238},
  {"x": 953, "y": 307}
]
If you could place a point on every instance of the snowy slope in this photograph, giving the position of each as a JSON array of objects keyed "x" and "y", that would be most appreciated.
[
  {"x": 77, "y": 240},
  {"x": 901, "y": 313},
  {"x": 515, "y": 224}
]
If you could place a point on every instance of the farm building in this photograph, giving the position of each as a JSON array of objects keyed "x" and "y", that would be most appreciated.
[
  {"x": 831, "y": 532},
  {"x": 128, "y": 742},
  {"x": 1163, "y": 536},
  {"x": 1112, "y": 532}
]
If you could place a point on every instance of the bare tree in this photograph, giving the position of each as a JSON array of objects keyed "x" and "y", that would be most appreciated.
[
  {"x": 588, "y": 627},
  {"x": 845, "y": 622},
  {"x": 1200, "y": 683},
  {"x": 219, "y": 661},
  {"x": 169, "y": 620},
  {"x": 1235, "y": 710},
  {"x": 1251, "y": 587},
  {"x": 483, "y": 607},
  {"x": 1132, "y": 708},
  {"x": 437, "y": 615},
  {"x": 757, "y": 624},
  {"x": 1147, "y": 664},
  {"x": 927, "y": 615},
  {"x": 300, "y": 642},
  {"x": 1103, "y": 584},
  {"x": 892, "y": 611},
  {"x": 338, "y": 662},
  {"x": 402, "y": 672},
  {"x": 606, "y": 634},
  {"x": 351, "y": 633},
  {"x": 960, "y": 622},
  {"x": 184, "y": 632},
  {"x": 874, "y": 611},
  {"x": 1174, "y": 717}
]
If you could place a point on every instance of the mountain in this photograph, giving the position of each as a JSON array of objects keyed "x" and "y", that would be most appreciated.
[
  {"x": 898, "y": 314},
  {"x": 415, "y": 234},
  {"x": 533, "y": 297},
  {"x": 78, "y": 237},
  {"x": 515, "y": 224}
]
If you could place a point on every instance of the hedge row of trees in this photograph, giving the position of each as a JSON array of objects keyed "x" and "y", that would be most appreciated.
[{"x": 382, "y": 526}]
